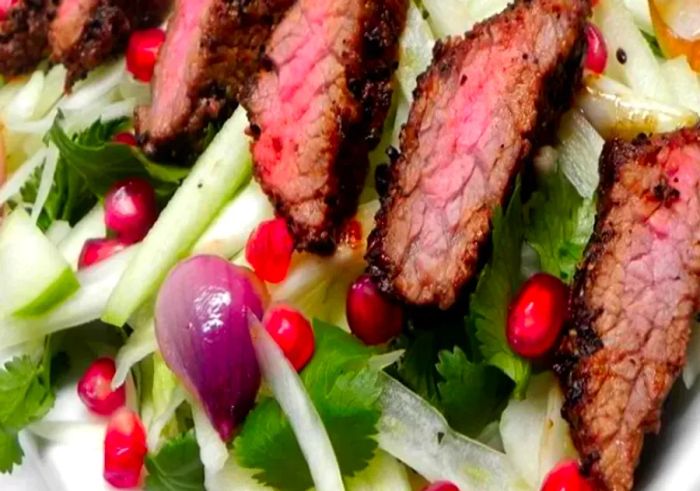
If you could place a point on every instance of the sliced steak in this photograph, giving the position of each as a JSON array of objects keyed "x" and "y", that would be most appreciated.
[
  {"x": 318, "y": 107},
  {"x": 485, "y": 102},
  {"x": 633, "y": 301},
  {"x": 23, "y": 41},
  {"x": 85, "y": 33},
  {"x": 213, "y": 47}
]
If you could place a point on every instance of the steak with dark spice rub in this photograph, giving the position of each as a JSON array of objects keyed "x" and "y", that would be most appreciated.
[
  {"x": 318, "y": 106},
  {"x": 487, "y": 100},
  {"x": 633, "y": 301},
  {"x": 23, "y": 41},
  {"x": 213, "y": 47},
  {"x": 85, "y": 33}
]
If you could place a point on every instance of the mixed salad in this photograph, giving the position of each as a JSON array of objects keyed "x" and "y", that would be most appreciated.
[{"x": 158, "y": 317}]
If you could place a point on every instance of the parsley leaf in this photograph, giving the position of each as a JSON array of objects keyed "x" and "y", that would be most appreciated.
[
  {"x": 559, "y": 225},
  {"x": 498, "y": 283},
  {"x": 176, "y": 467},
  {"x": 345, "y": 393},
  {"x": 472, "y": 394},
  {"x": 25, "y": 396}
]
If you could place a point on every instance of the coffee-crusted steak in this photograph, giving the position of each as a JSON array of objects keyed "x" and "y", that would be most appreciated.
[
  {"x": 485, "y": 102},
  {"x": 213, "y": 47},
  {"x": 633, "y": 301},
  {"x": 23, "y": 41},
  {"x": 85, "y": 33},
  {"x": 318, "y": 106}
]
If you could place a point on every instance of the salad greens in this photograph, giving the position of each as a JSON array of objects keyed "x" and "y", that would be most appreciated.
[
  {"x": 345, "y": 393},
  {"x": 176, "y": 466},
  {"x": 26, "y": 395}
]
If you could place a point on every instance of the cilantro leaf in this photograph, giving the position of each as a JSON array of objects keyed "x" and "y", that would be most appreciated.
[
  {"x": 176, "y": 467},
  {"x": 559, "y": 225},
  {"x": 653, "y": 44},
  {"x": 498, "y": 283},
  {"x": 471, "y": 394},
  {"x": 25, "y": 396},
  {"x": 345, "y": 393}
]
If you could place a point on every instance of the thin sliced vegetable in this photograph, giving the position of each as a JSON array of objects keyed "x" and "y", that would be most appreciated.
[
  {"x": 99, "y": 83},
  {"x": 35, "y": 276},
  {"x": 631, "y": 60},
  {"x": 289, "y": 391},
  {"x": 13, "y": 185},
  {"x": 383, "y": 473},
  {"x": 212, "y": 449},
  {"x": 415, "y": 50},
  {"x": 229, "y": 232},
  {"x": 640, "y": 14},
  {"x": 615, "y": 110},
  {"x": 534, "y": 434},
  {"x": 449, "y": 17},
  {"x": 140, "y": 344},
  {"x": 684, "y": 82},
  {"x": 85, "y": 305},
  {"x": 91, "y": 226},
  {"x": 414, "y": 432},
  {"x": 215, "y": 178},
  {"x": 23, "y": 105},
  {"x": 579, "y": 150},
  {"x": 47, "y": 175}
]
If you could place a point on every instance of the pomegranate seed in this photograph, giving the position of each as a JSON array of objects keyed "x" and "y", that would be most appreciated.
[
  {"x": 130, "y": 209},
  {"x": 96, "y": 250},
  {"x": 125, "y": 449},
  {"x": 566, "y": 476},
  {"x": 142, "y": 52},
  {"x": 293, "y": 334},
  {"x": 373, "y": 317},
  {"x": 597, "y": 52},
  {"x": 94, "y": 388},
  {"x": 269, "y": 250},
  {"x": 441, "y": 486},
  {"x": 5, "y": 7},
  {"x": 537, "y": 315},
  {"x": 125, "y": 138}
]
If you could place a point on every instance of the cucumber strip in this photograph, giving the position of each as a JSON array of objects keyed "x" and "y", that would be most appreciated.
[
  {"x": 46, "y": 182},
  {"x": 91, "y": 226},
  {"x": 34, "y": 274},
  {"x": 579, "y": 150},
  {"x": 414, "y": 432},
  {"x": 215, "y": 178},
  {"x": 228, "y": 234},
  {"x": 85, "y": 305}
]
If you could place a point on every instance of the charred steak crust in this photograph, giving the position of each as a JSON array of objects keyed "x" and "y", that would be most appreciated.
[
  {"x": 23, "y": 41},
  {"x": 99, "y": 31},
  {"x": 486, "y": 101},
  {"x": 311, "y": 145},
  {"x": 228, "y": 48},
  {"x": 633, "y": 300}
]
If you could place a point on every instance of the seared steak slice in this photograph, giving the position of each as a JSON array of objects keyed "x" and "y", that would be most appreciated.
[
  {"x": 318, "y": 107},
  {"x": 85, "y": 33},
  {"x": 23, "y": 41},
  {"x": 212, "y": 48},
  {"x": 485, "y": 102},
  {"x": 633, "y": 301}
]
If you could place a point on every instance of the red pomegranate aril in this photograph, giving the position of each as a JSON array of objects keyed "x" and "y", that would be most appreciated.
[
  {"x": 597, "y": 51},
  {"x": 142, "y": 52},
  {"x": 124, "y": 449},
  {"x": 372, "y": 317},
  {"x": 566, "y": 476},
  {"x": 292, "y": 332},
  {"x": 269, "y": 250},
  {"x": 125, "y": 138},
  {"x": 441, "y": 486},
  {"x": 130, "y": 209},
  {"x": 95, "y": 390},
  {"x": 5, "y": 7},
  {"x": 96, "y": 250},
  {"x": 536, "y": 316}
]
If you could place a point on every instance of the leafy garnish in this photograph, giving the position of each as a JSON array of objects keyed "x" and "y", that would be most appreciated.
[
  {"x": 653, "y": 44},
  {"x": 345, "y": 393},
  {"x": 176, "y": 467},
  {"x": 472, "y": 394},
  {"x": 498, "y": 284},
  {"x": 25, "y": 396},
  {"x": 559, "y": 225}
]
